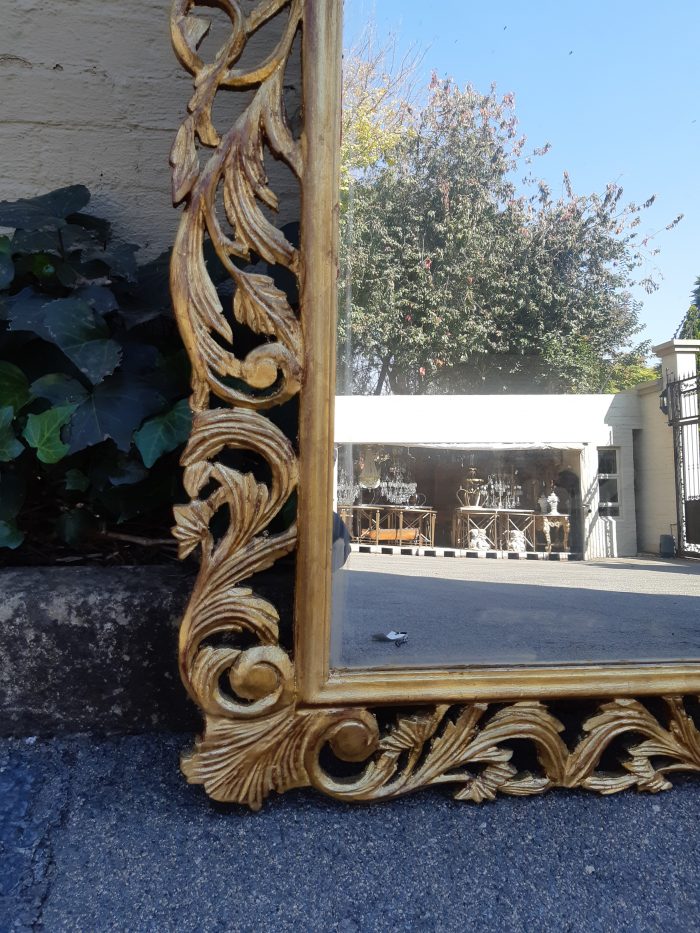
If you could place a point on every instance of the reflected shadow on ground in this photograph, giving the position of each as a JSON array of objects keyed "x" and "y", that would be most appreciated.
[
  {"x": 688, "y": 568},
  {"x": 459, "y": 614}
]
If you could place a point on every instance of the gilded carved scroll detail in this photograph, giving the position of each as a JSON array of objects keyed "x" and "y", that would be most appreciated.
[
  {"x": 234, "y": 169},
  {"x": 251, "y": 742},
  {"x": 256, "y": 737}
]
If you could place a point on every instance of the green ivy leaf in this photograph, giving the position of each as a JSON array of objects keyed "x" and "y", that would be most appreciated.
[
  {"x": 7, "y": 270},
  {"x": 14, "y": 387},
  {"x": 126, "y": 472},
  {"x": 25, "y": 312},
  {"x": 31, "y": 213},
  {"x": 76, "y": 481},
  {"x": 59, "y": 389},
  {"x": 76, "y": 238},
  {"x": 43, "y": 266},
  {"x": 10, "y": 535},
  {"x": 10, "y": 447},
  {"x": 98, "y": 226},
  {"x": 72, "y": 325},
  {"x": 67, "y": 274},
  {"x": 288, "y": 513},
  {"x": 43, "y": 433},
  {"x": 83, "y": 336},
  {"x": 164, "y": 433},
  {"x": 36, "y": 241},
  {"x": 115, "y": 409},
  {"x": 99, "y": 297},
  {"x": 120, "y": 260}
]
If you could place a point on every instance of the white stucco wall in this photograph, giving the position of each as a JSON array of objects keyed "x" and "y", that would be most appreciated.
[
  {"x": 656, "y": 498},
  {"x": 93, "y": 94},
  {"x": 606, "y": 535}
]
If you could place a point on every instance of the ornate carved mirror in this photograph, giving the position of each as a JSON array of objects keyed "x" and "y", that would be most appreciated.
[{"x": 462, "y": 503}]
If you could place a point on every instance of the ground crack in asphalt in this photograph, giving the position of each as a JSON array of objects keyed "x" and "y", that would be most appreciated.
[
  {"x": 35, "y": 803},
  {"x": 57, "y": 823}
]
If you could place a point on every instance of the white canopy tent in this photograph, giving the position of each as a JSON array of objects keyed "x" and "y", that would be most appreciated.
[{"x": 474, "y": 422}]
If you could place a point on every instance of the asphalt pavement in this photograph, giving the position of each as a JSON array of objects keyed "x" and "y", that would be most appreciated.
[{"x": 104, "y": 835}]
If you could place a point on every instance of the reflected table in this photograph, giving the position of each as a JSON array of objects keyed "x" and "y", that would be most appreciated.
[
  {"x": 390, "y": 524},
  {"x": 546, "y": 523},
  {"x": 515, "y": 530},
  {"x": 479, "y": 529}
]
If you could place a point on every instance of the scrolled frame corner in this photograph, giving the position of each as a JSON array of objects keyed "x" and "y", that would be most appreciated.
[{"x": 258, "y": 736}]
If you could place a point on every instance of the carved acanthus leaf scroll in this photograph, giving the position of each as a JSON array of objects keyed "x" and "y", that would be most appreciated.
[
  {"x": 257, "y": 737},
  {"x": 235, "y": 167}
]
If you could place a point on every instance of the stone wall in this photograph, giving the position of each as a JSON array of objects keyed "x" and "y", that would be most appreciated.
[{"x": 93, "y": 94}]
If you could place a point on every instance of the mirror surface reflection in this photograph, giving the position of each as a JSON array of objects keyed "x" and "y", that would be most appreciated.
[{"x": 516, "y": 470}]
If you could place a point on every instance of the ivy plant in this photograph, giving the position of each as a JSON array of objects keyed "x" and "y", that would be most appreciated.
[{"x": 93, "y": 378}]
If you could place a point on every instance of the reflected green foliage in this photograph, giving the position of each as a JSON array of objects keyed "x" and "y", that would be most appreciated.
[
  {"x": 379, "y": 85},
  {"x": 690, "y": 327},
  {"x": 454, "y": 280},
  {"x": 630, "y": 369}
]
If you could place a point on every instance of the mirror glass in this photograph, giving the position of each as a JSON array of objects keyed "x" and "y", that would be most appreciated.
[{"x": 516, "y": 458}]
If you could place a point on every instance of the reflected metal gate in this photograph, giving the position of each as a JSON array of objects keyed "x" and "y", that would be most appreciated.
[{"x": 684, "y": 418}]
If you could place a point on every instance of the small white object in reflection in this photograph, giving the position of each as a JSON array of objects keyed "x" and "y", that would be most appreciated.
[{"x": 398, "y": 638}]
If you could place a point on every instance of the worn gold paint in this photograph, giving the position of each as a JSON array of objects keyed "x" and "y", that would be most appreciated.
[{"x": 265, "y": 723}]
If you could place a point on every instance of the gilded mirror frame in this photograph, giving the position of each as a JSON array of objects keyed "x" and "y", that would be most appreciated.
[{"x": 277, "y": 718}]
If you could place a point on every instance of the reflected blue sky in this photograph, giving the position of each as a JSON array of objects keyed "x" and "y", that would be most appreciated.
[{"x": 612, "y": 86}]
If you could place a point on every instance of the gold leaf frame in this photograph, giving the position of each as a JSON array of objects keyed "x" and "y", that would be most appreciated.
[{"x": 275, "y": 719}]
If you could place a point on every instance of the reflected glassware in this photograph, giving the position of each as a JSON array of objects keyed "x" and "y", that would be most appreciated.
[
  {"x": 396, "y": 488},
  {"x": 398, "y": 492},
  {"x": 348, "y": 491},
  {"x": 501, "y": 491},
  {"x": 369, "y": 474}
]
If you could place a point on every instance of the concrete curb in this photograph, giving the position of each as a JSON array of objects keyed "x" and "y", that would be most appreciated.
[{"x": 95, "y": 648}]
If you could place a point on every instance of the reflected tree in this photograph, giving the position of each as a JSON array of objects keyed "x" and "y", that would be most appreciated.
[{"x": 461, "y": 272}]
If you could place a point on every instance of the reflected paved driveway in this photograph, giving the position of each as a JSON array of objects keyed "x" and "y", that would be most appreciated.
[{"x": 461, "y": 611}]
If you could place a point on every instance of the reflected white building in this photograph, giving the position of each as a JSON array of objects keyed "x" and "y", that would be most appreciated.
[{"x": 620, "y": 446}]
